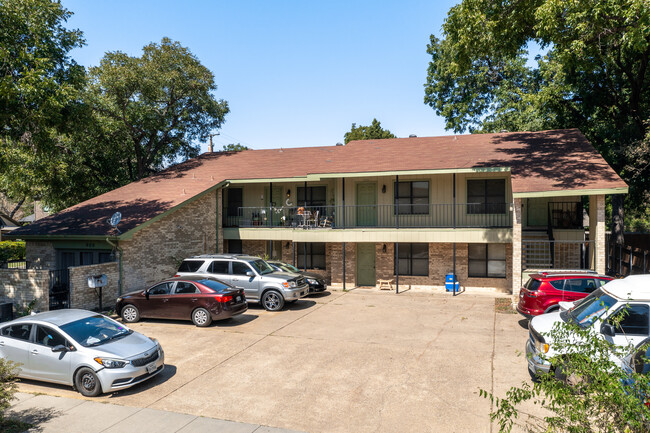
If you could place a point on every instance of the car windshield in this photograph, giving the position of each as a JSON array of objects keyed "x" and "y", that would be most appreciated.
[
  {"x": 95, "y": 330},
  {"x": 289, "y": 268},
  {"x": 262, "y": 267},
  {"x": 591, "y": 308},
  {"x": 217, "y": 286}
]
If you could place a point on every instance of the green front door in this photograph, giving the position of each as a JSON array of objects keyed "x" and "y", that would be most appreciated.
[
  {"x": 537, "y": 212},
  {"x": 366, "y": 204},
  {"x": 366, "y": 265},
  {"x": 273, "y": 204}
]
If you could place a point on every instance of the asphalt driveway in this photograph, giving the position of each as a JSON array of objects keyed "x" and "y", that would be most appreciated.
[{"x": 358, "y": 361}]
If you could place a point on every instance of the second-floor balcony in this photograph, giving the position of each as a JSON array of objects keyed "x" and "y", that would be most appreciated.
[{"x": 459, "y": 215}]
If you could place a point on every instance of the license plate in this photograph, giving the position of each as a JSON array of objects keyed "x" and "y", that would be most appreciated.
[
  {"x": 238, "y": 299},
  {"x": 151, "y": 367}
]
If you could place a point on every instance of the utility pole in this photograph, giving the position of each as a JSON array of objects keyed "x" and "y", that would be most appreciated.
[{"x": 210, "y": 147}]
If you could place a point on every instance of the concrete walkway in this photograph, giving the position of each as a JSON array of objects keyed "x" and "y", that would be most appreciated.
[{"x": 49, "y": 414}]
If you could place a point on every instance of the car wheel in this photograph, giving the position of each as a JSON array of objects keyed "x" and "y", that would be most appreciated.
[
  {"x": 201, "y": 317},
  {"x": 130, "y": 314},
  {"x": 272, "y": 301},
  {"x": 87, "y": 383}
]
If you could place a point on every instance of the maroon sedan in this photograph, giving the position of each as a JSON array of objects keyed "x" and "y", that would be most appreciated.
[{"x": 200, "y": 299}]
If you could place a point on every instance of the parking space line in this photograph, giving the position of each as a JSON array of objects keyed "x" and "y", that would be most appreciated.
[{"x": 235, "y": 354}]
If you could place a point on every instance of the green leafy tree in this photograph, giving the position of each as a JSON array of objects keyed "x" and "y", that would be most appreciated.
[
  {"x": 593, "y": 76},
  {"x": 39, "y": 87},
  {"x": 234, "y": 147},
  {"x": 372, "y": 132},
  {"x": 587, "y": 391},
  {"x": 151, "y": 110}
]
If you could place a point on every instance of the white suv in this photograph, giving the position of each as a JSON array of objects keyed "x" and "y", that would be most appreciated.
[
  {"x": 259, "y": 281},
  {"x": 629, "y": 297}
]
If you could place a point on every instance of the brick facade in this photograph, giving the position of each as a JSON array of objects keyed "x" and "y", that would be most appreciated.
[
  {"x": 81, "y": 296},
  {"x": 156, "y": 251},
  {"x": 22, "y": 286},
  {"x": 440, "y": 264},
  {"x": 40, "y": 255}
]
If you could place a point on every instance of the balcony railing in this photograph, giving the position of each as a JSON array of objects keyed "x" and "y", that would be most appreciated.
[
  {"x": 566, "y": 215},
  {"x": 464, "y": 215}
]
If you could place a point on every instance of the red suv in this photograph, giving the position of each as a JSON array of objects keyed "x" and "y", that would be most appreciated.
[{"x": 544, "y": 290}]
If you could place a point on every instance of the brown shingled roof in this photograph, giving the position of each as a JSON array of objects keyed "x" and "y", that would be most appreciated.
[{"x": 544, "y": 161}]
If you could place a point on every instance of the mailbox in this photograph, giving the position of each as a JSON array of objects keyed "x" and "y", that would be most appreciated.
[{"x": 97, "y": 281}]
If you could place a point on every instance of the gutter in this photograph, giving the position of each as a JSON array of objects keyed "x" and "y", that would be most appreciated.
[{"x": 119, "y": 274}]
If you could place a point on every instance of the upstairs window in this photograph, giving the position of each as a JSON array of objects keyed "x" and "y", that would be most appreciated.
[
  {"x": 486, "y": 196},
  {"x": 312, "y": 196},
  {"x": 412, "y": 198}
]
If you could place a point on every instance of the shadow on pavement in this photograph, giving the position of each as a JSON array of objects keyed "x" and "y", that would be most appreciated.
[
  {"x": 34, "y": 416},
  {"x": 319, "y": 295},
  {"x": 301, "y": 304},
  {"x": 168, "y": 372},
  {"x": 240, "y": 319}
]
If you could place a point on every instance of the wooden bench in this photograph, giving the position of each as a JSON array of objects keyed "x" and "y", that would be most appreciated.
[{"x": 385, "y": 284}]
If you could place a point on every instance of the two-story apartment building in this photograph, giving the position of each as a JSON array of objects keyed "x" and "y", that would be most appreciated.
[{"x": 411, "y": 210}]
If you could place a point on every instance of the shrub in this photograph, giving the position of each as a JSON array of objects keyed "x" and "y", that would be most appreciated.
[
  {"x": 12, "y": 250},
  {"x": 588, "y": 391},
  {"x": 7, "y": 385}
]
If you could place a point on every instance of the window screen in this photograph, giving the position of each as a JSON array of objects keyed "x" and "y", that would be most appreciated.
[
  {"x": 313, "y": 253},
  {"x": 486, "y": 196},
  {"x": 487, "y": 260},
  {"x": 412, "y": 197},
  {"x": 412, "y": 259}
]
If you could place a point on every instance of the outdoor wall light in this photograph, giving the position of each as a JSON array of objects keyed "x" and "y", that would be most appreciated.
[
  {"x": 383, "y": 189},
  {"x": 288, "y": 193},
  {"x": 383, "y": 249},
  {"x": 287, "y": 245}
]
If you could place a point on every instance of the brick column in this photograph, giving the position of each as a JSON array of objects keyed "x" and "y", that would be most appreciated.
[
  {"x": 597, "y": 232},
  {"x": 516, "y": 247},
  {"x": 220, "y": 242}
]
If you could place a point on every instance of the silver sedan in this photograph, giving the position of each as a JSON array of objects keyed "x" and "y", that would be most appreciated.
[{"x": 91, "y": 352}]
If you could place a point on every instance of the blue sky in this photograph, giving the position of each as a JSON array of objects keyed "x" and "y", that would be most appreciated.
[{"x": 295, "y": 73}]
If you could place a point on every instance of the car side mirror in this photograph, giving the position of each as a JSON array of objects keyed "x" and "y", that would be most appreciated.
[
  {"x": 608, "y": 330},
  {"x": 146, "y": 294},
  {"x": 60, "y": 348},
  {"x": 249, "y": 273}
]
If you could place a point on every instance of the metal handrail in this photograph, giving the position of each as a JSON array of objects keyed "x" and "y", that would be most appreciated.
[{"x": 432, "y": 215}]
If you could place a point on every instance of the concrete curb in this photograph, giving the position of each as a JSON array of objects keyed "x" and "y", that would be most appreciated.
[{"x": 49, "y": 414}]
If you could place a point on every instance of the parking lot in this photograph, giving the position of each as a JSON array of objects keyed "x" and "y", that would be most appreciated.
[{"x": 358, "y": 361}]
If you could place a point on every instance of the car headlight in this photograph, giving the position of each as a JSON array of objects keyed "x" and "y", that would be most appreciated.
[
  {"x": 111, "y": 362},
  {"x": 288, "y": 284},
  {"x": 541, "y": 347},
  {"x": 119, "y": 299},
  {"x": 312, "y": 281}
]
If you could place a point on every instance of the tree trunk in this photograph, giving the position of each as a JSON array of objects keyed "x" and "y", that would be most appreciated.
[
  {"x": 18, "y": 205},
  {"x": 617, "y": 219}
]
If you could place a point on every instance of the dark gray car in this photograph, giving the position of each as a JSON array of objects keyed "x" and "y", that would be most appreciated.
[
  {"x": 259, "y": 281},
  {"x": 91, "y": 352}
]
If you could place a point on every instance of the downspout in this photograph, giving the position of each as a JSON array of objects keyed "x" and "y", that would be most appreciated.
[{"x": 119, "y": 260}]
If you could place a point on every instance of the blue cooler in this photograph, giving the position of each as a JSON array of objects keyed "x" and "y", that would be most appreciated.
[{"x": 449, "y": 283}]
